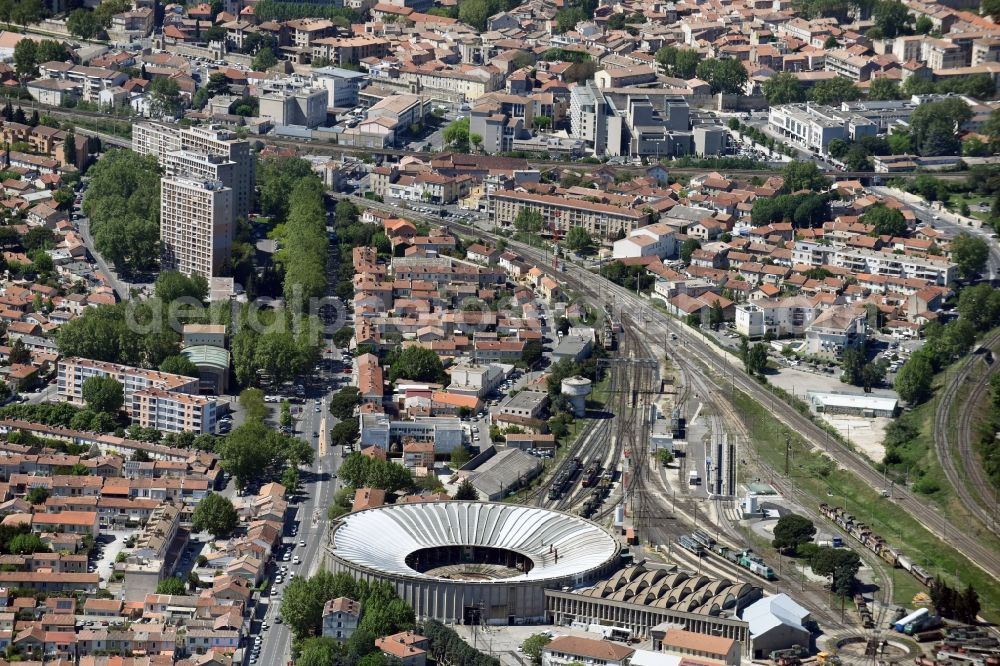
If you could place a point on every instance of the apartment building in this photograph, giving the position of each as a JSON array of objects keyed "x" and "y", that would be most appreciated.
[
  {"x": 985, "y": 50},
  {"x": 160, "y": 139},
  {"x": 587, "y": 113},
  {"x": 942, "y": 54},
  {"x": 560, "y": 214},
  {"x": 305, "y": 32},
  {"x": 92, "y": 80},
  {"x": 170, "y": 411},
  {"x": 340, "y": 618},
  {"x": 379, "y": 430},
  {"x": 196, "y": 225},
  {"x": 73, "y": 371},
  {"x": 844, "y": 63},
  {"x": 342, "y": 85},
  {"x": 780, "y": 317},
  {"x": 349, "y": 50},
  {"x": 837, "y": 329},
  {"x": 935, "y": 270},
  {"x": 468, "y": 81},
  {"x": 654, "y": 240},
  {"x": 814, "y": 126}
]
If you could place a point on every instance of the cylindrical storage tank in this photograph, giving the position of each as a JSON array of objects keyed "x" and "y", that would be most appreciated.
[{"x": 576, "y": 389}]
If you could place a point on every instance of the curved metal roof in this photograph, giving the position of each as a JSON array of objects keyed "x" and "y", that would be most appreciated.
[
  {"x": 207, "y": 355},
  {"x": 382, "y": 537}
]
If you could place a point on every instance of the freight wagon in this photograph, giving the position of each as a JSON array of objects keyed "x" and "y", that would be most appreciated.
[{"x": 873, "y": 542}]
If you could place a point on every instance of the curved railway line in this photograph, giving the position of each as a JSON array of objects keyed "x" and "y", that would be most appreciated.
[{"x": 961, "y": 464}]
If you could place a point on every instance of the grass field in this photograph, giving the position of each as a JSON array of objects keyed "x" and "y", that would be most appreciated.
[{"x": 955, "y": 201}]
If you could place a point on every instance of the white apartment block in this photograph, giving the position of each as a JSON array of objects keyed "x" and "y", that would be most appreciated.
[
  {"x": 938, "y": 271},
  {"x": 196, "y": 225},
  {"x": 202, "y": 166},
  {"x": 160, "y": 139},
  {"x": 587, "y": 116},
  {"x": 74, "y": 371},
  {"x": 779, "y": 317},
  {"x": 171, "y": 411},
  {"x": 654, "y": 240},
  {"x": 92, "y": 80},
  {"x": 471, "y": 83},
  {"x": 477, "y": 380}
]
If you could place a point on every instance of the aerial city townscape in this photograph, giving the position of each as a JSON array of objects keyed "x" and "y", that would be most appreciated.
[{"x": 500, "y": 332}]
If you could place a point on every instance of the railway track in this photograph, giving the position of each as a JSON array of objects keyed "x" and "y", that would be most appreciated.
[
  {"x": 961, "y": 464},
  {"x": 730, "y": 376},
  {"x": 317, "y": 147}
]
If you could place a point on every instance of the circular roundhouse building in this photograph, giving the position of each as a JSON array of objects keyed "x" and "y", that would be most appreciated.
[{"x": 469, "y": 562}]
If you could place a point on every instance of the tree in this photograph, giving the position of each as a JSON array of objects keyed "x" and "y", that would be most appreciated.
[
  {"x": 346, "y": 432},
  {"x": 797, "y": 175},
  {"x": 123, "y": 204},
  {"x": 830, "y": 42},
  {"x": 858, "y": 158},
  {"x": 882, "y": 89},
  {"x": 476, "y": 12},
  {"x": 253, "y": 406},
  {"x": 533, "y": 645},
  {"x": 970, "y": 254},
  {"x": 264, "y": 60},
  {"x": 665, "y": 456},
  {"x": 923, "y": 25},
  {"x": 344, "y": 401},
  {"x": 578, "y": 239},
  {"x": 755, "y": 359},
  {"x": 687, "y": 249},
  {"x": 69, "y": 148},
  {"x": 466, "y": 491},
  {"x": 840, "y": 564},
  {"x": 83, "y": 24},
  {"x": 791, "y": 531},
  {"x": 253, "y": 450},
  {"x": 837, "y": 148},
  {"x": 783, "y": 88},
  {"x": 853, "y": 364},
  {"x": 980, "y": 305},
  {"x": 171, "y": 585},
  {"x": 456, "y": 134},
  {"x": 173, "y": 286},
  {"x": 25, "y": 58},
  {"x": 49, "y": 50},
  {"x": 459, "y": 457},
  {"x": 935, "y": 127},
  {"x": 716, "y": 316},
  {"x": 834, "y": 91},
  {"x": 179, "y": 364},
  {"x": 892, "y": 17},
  {"x": 532, "y": 353},
  {"x": 19, "y": 353},
  {"x": 991, "y": 8},
  {"x": 103, "y": 394},
  {"x": 216, "y": 515},
  {"x": 166, "y": 97},
  {"x": 417, "y": 363},
  {"x": 25, "y": 544},
  {"x": 887, "y": 221},
  {"x": 37, "y": 495},
  {"x": 318, "y": 651},
  {"x": 913, "y": 381},
  {"x": 528, "y": 221},
  {"x": 726, "y": 75}
]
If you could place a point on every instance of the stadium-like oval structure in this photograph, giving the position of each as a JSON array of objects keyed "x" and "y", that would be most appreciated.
[{"x": 461, "y": 561}]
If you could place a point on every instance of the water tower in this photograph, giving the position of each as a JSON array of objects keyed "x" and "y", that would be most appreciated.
[{"x": 576, "y": 389}]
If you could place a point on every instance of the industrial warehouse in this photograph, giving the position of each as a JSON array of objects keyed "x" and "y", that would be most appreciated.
[{"x": 471, "y": 562}]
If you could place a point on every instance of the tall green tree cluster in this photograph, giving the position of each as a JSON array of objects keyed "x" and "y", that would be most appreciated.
[
  {"x": 305, "y": 244},
  {"x": 123, "y": 204},
  {"x": 278, "y": 10},
  {"x": 935, "y": 127},
  {"x": 274, "y": 342},
  {"x": 783, "y": 88},
  {"x": 725, "y": 75},
  {"x": 382, "y": 611},
  {"x": 955, "y": 605},
  {"x": 679, "y": 62},
  {"x": 448, "y": 647},
  {"x": 133, "y": 333},
  {"x": 802, "y": 210},
  {"x": 834, "y": 91},
  {"x": 361, "y": 471},
  {"x": 276, "y": 179},
  {"x": 253, "y": 451}
]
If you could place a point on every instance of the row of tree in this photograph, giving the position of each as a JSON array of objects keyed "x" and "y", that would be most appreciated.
[
  {"x": 305, "y": 250},
  {"x": 793, "y": 534},
  {"x": 123, "y": 204}
]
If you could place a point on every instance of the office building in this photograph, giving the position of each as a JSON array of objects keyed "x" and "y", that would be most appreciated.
[
  {"x": 160, "y": 139},
  {"x": 342, "y": 85},
  {"x": 196, "y": 225},
  {"x": 814, "y": 126}
]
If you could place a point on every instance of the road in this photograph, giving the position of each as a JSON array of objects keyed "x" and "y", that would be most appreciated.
[
  {"x": 659, "y": 327},
  {"x": 120, "y": 287},
  {"x": 318, "y": 488}
]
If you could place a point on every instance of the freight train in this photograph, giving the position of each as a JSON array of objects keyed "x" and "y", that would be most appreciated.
[
  {"x": 745, "y": 559},
  {"x": 875, "y": 543},
  {"x": 563, "y": 479},
  {"x": 596, "y": 498}
]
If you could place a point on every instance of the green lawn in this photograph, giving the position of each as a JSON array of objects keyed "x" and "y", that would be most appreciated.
[{"x": 955, "y": 201}]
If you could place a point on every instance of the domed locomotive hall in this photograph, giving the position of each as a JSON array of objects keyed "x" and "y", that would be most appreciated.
[{"x": 472, "y": 562}]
